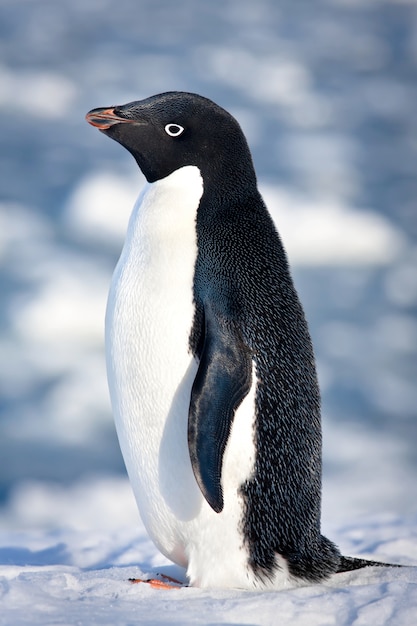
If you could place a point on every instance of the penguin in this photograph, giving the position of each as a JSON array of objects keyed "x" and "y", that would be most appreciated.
[{"x": 210, "y": 363}]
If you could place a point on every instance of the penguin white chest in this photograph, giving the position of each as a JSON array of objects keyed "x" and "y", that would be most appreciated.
[{"x": 150, "y": 368}]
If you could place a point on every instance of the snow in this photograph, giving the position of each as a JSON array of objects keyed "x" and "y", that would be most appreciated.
[
  {"x": 71, "y": 552},
  {"x": 344, "y": 235},
  {"x": 51, "y": 94},
  {"x": 68, "y": 596}
]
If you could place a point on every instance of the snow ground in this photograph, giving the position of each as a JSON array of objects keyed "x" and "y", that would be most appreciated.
[{"x": 78, "y": 575}]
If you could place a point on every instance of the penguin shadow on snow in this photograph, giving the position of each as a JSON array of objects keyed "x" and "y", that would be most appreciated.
[
  {"x": 58, "y": 554},
  {"x": 54, "y": 555}
]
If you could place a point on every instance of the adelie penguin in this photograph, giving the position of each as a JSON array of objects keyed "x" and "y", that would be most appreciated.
[{"x": 210, "y": 364}]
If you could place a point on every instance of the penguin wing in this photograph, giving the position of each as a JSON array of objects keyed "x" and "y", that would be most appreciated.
[{"x": 222, "y": 381}]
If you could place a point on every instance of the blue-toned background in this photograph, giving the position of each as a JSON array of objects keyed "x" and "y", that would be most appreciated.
[{"x": 326, "y": 92}]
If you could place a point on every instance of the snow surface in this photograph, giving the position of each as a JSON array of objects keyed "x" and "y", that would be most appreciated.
[{"x": 75, "y": 570}]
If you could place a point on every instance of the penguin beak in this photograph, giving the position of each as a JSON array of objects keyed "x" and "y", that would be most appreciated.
[{"x": 104, "y": 118}]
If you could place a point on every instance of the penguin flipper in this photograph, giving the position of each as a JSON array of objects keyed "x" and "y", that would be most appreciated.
[{"x": 222, "y": 381}]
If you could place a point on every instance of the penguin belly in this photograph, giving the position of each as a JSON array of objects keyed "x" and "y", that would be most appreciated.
[{"x": 151, "y": 371}]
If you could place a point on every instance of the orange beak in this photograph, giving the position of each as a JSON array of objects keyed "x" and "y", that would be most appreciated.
[{"x": 104, "y": 118}]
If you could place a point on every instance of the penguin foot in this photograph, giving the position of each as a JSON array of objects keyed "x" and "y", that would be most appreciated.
[{"x": 156, "y": 583}]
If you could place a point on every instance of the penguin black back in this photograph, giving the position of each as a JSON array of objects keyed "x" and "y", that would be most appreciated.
[{"x": 257, "y": 302}]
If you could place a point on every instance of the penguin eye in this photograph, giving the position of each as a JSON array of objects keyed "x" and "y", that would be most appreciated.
[{"x": 174, "y": 130}]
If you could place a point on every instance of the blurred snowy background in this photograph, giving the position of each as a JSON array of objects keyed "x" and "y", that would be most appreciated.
[{"x": 326, "y": 92}]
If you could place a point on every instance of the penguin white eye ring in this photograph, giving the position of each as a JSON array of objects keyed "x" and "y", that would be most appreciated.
[{"x": 174, "y": 130}]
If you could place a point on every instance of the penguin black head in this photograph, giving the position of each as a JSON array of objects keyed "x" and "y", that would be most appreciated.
[{"x": 175, "y": 129}]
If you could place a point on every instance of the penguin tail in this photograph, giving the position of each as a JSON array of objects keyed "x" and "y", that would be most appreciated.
[{"x": 349, "y": 563}]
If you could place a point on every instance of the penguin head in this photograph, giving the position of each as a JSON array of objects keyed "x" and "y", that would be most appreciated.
[{"x": 174, "y": 129}]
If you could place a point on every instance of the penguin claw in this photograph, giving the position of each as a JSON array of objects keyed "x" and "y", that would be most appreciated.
[{"x": 156, "y": 583}]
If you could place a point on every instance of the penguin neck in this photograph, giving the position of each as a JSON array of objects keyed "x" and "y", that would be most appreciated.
[
  {"x": 225, "y": 186},
  {"x": 224, "y": 195}
]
